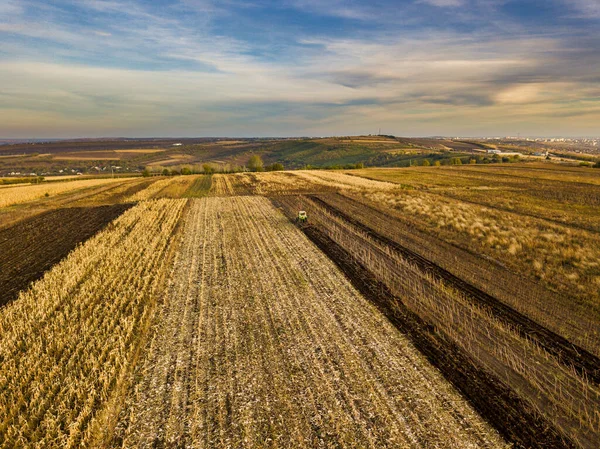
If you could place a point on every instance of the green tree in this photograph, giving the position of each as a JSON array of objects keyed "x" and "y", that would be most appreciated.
[
  {"x": 186, "y": 171},
  {"x": 208, "y": 169},
  {"x": 165, "y": 172},
  {"x": 146, "y": 173},
  {"x": 277, "y": 166},
  {"x": 255, "y": 163},
  {"x": 472, "y": 161},
  {"x": 437, "y": 163},
  {"x": 426, "y": 163}
]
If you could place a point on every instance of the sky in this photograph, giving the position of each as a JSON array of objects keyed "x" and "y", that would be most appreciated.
[{"x": 140, "y": 68}]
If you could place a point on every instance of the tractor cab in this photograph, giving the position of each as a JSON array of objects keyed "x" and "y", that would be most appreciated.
[{"x": 302, "y": 217}]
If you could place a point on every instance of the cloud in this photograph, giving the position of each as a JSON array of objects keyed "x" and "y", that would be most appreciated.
[
  {"x": 196, "y": 67},
  {"x": 10, "y": 7},
  {"x": 444, "y": 3},
  {"x": 587, "y": 8}
]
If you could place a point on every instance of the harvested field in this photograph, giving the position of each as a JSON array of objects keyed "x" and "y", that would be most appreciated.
[
  {"x": 558, "y": 313},
  {"x": 585, "y": 363},
  {"x": 33, "y": 246},
  {"x": 494, "y": 400},
  {"x": 286, "y": 354},
  {"x": 501, "y": 345},
  {"x": 201, "y": 187},
  {"x": 221, "y": 186},
  {"x": 107, "y": 194},
  {"x": 22, "y": 194},
  {"x": 68, "y": 342},
  {"x": 213, "y": 321},
  {"x": 559, "y": 256},
  {"x": 163, "y": 187}
]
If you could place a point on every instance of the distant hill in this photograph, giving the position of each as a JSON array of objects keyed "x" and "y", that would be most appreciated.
[{"x": 131, "y": 155}]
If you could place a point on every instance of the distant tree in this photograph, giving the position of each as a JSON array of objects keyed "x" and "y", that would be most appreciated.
[
  {"x": 437, "y": 163},
  {"x": 165, "y": 172},
  {"x": 597, "y": 164},
  {"x": 277, "y": 166},
  {"x": 146, "y": 173},
  {"x": 186, "y": 171},
  {"x": 472, "y": 161},
  {"x": 456, "y": 161},
  {"x": 208, "y": 169},
  {"x": 360, "y": 165},
  {"x": 174, "y": 172},
  {"x": 426, "y": 163},
  {"x": 255, "y": 163}
]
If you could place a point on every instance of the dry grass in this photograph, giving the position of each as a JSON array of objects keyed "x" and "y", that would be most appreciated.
[{"x": 565, "y": 258}]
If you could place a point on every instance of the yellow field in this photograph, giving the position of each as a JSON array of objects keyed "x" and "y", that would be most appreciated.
[
  {"x": 24, "y": 193},
  {"x": 68, "y": 342}
]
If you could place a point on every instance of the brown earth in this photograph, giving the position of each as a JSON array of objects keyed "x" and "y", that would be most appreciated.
[{"x": 34, "y": 245}]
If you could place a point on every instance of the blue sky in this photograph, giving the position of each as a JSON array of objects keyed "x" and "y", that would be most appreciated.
[{"x": 299, "y": 67}]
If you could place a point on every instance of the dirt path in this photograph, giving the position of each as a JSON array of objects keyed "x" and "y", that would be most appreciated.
[{"x": 262, "y": 342}]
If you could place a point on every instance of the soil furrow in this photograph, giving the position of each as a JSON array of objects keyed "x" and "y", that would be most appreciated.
[{"x": 583, "y": 361}]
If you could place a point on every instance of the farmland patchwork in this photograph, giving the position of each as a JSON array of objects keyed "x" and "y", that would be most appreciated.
[{"x": 408, "y": 311}]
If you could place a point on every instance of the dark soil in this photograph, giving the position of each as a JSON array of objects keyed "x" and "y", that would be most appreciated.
[
  {"x": 31, "y": 247},
  {"x": 584, "y": 362},
  {"x": 494, "y": 401}
]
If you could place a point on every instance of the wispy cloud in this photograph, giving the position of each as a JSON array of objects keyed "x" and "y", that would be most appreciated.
[
  {"x": 201, "y": 67},
  {"x": 588, "y": 8},
  {"x": 445, "y": 3}
]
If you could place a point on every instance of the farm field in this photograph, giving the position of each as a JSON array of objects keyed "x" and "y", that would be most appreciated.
[
  {"x": 250, "y": 366},
  {"x": 559, "y": 254},
  {"x": 33, "y": 246},
  {"x": 24, "y": 193},
  {"x": 420, "y": 307},
  {"x": 30, "y": 204}
]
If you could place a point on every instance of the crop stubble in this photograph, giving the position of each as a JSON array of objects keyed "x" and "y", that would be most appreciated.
[
  {"x": 262, "y": 342},
  {"x": 68, "y": 341}
]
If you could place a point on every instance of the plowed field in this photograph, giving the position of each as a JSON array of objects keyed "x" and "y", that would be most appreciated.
[{"x": 34, "y": 245}]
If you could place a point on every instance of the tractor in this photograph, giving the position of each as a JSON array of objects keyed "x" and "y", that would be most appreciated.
[{"x": 302, "y": 217}]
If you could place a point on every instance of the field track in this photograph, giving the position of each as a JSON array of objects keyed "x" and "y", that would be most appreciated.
[
  {"x": 262, "y": 342},
  {"x": 583, "y": 361},
  {"x": 34, "y": 245}
]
